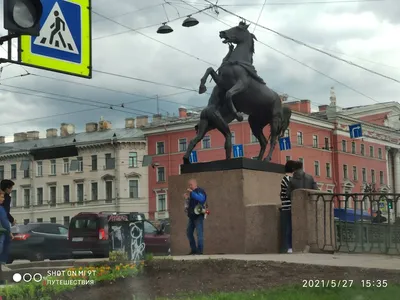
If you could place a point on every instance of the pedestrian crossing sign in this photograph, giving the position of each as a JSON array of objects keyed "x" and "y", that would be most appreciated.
[{"x": 64, "y": 43}]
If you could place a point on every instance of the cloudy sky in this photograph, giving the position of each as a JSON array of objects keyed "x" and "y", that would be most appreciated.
[{"x": 364, "y": 32}]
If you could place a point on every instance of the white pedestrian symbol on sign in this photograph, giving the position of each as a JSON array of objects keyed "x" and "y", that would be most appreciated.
[{"x": 55, "y": 33}]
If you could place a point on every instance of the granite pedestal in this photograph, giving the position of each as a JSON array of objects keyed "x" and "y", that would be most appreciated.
[{"x": 243, "y": 199}]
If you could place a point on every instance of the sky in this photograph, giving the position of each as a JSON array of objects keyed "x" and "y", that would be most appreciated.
[{"x": 363, "y": 32}]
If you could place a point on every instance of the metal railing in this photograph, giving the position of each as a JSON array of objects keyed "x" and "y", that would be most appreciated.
[{"x": 357, "y": 223}]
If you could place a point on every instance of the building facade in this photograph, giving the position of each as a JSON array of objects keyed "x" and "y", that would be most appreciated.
[
  {"x": 320, "y": 139},
  {"x": 61, "y": 175}
]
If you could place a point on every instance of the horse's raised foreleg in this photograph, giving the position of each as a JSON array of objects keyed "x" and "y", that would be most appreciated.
[
  {"x": 223, "y": 127},
  {"x": 203, "y": 80},
  {"x": 257, "y": 130},
  {"x": 240, "y": 86},
  {"x": 201, "y": 132},
  {"x": 276, "y": 128}
]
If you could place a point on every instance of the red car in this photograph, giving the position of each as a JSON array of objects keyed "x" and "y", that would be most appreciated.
[{"x": 90, "y": 235}]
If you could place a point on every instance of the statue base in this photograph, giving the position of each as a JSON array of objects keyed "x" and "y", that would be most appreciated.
[{"x": 243, "y": 199}]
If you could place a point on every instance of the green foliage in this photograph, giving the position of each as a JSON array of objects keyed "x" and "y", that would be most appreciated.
[
  {"x": 118, "y": 256},
  {"x": 149, "y": 257}
]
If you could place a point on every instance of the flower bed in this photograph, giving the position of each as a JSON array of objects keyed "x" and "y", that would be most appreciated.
[{"x": 70, "y": 279}]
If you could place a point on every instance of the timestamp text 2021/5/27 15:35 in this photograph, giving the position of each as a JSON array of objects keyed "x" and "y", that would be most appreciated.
[{"x": 344, "y": 283}]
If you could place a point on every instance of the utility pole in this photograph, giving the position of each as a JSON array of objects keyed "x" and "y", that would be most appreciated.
[{"x": 158, "y": 105}]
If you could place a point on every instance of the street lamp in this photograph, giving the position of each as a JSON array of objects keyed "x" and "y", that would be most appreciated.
[
  {"x": 190, "y": 22},
  {"x": 22, "y": 16},
  {"x": 164, "y": 29}
]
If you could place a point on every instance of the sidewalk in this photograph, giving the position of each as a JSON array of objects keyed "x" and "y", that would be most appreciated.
[{"x": 368, "y": 261}]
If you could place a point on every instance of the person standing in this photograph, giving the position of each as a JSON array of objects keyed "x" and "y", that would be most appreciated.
[
  {"x": 195, "y": 196},
  {"x": 6, "y": 186},
  {"x": 5, "y": 236},
  {"x": 286, "y": 211},
  {"x": 300, "y": 180}
]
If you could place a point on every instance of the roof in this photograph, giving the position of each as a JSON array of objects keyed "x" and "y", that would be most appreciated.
[{"x": 80, "y": 139}]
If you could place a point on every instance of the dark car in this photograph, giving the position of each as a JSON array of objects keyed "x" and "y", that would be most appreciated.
[
  {"x": 89, "y": 236},
  {"x": 39, "y": 241}
]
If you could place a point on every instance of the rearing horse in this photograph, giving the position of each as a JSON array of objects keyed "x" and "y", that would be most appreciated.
[{"x": 245, "y": 91}]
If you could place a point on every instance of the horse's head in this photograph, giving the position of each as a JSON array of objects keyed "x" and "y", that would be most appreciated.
[{"x": 238, "y": 35}]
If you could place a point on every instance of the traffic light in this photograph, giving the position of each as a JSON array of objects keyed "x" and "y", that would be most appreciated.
[
  {"x": 390, "y": 204},
  {"x": 22, "y": 16}
]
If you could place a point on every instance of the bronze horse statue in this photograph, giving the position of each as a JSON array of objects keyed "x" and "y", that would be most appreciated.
[{"x": 240, "y": 89}]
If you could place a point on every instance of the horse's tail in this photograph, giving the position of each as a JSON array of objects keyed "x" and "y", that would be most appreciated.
[{"x": 286, "y": 115}]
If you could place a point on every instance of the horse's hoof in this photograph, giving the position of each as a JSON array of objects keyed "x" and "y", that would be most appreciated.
[
  {"x": 202, "y": 89},
  {"x": 186, "y": 161}
]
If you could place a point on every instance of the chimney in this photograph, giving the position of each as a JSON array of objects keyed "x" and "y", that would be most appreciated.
[
  {"x": 51, "y": 133},
  {"x": 323, "y": 107},
  {"x": 182, "y": 112},
  {"x": 294, "y": 106},
  {"x": 67, "y": 129},
  {"x": 104, "y": 125},
  {"x": 142, "y": 121},
  {"x": 32, "y": 135},
  {"x": 305, "y": 106},
  {"x": 91, "y": 127},
  {"x": 157, "y": 118},
  {"x": 2, "y": 139},
  {"x": 20, "y": 137},
  {"x": 130, "y": 123}
]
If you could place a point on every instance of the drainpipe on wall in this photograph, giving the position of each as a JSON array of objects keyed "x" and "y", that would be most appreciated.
[
  {"x": 32, "y": 193},
  {"x": 116, "y": 174},
  {"x": 335, "y": 159}
]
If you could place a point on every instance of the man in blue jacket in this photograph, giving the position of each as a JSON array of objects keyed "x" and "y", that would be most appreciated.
[{"x": 195, "y": 196}]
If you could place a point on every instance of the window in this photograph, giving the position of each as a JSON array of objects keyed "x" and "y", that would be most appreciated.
[
  {"x": 80, "y": 163},
  {"x": 66, "y": 193},
  {"x": 316, "y": 168},
  {"x": 94, "y": 162},
  {"x": 160, "y": 174},
  {"x": 27, "y": 197},
  {"x": 109, "y": 191},
  {"x": 133, "y": 160},
  {"x": 110, "y": 162},
  {"x": 253, "y": 138},
  {"x": 66, "y": 221},
  {"x": 344, "y": 146},
  {"x": 364, "y": 175},
  {"x": 39, "y": 168},
  {"x": 160, "y": 148},
  {"x": 315, "y": 141},
  {"x": 95, "y": 188},
  {"x": 206, "y": 142},
  {"x": 381, "y": 177},
  {"x": 371, "y": 151},
  {"x": 355, "y": 173},
  {"x": 133, "y": 188},
  {"x": 53, "y": 195},
  {"x": 161, "y": 202},
  {"x": 26, "y": 221},
  {"x": 1, "y": 172},
  {"x": 287, "y": 133},
  {"x": 233, "y": 139},
  {"x": 362, "y": 149},
  {"x": 13, "y": 198},
  {"x": 345, "y": 173},
  {"x": 182, "y": 145},
  {"x": 62, "y": 230},
  {"x": 39, "y": 196},
  {"x": 79, "y": 192},
  {"x": 53, "y": 167},
  {"x": 53, "y": 220},
  {"x": 373, "y": 176},
  {"x": 302, "y": 161},
  {"x": 326, "y": 143},
  {"x": 66, "y": 166},
  {"x": 39, "y": 220},
  {"x": 380, "y": 153},
  {"x": 299, "y": 138},
  {"x": 287, "y": 158},
  {"x": 27, "y": 173},
  {"x": 13, "y": 171},
  {"x": 149, "y": 228},
  {"x": 328, "y": 170},
  {"x": 353, "y": 147}
]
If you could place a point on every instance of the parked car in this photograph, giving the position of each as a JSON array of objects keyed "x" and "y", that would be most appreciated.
[
  {"x": 39, "y": 241},
  {"x": 89, "y": 236}
]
